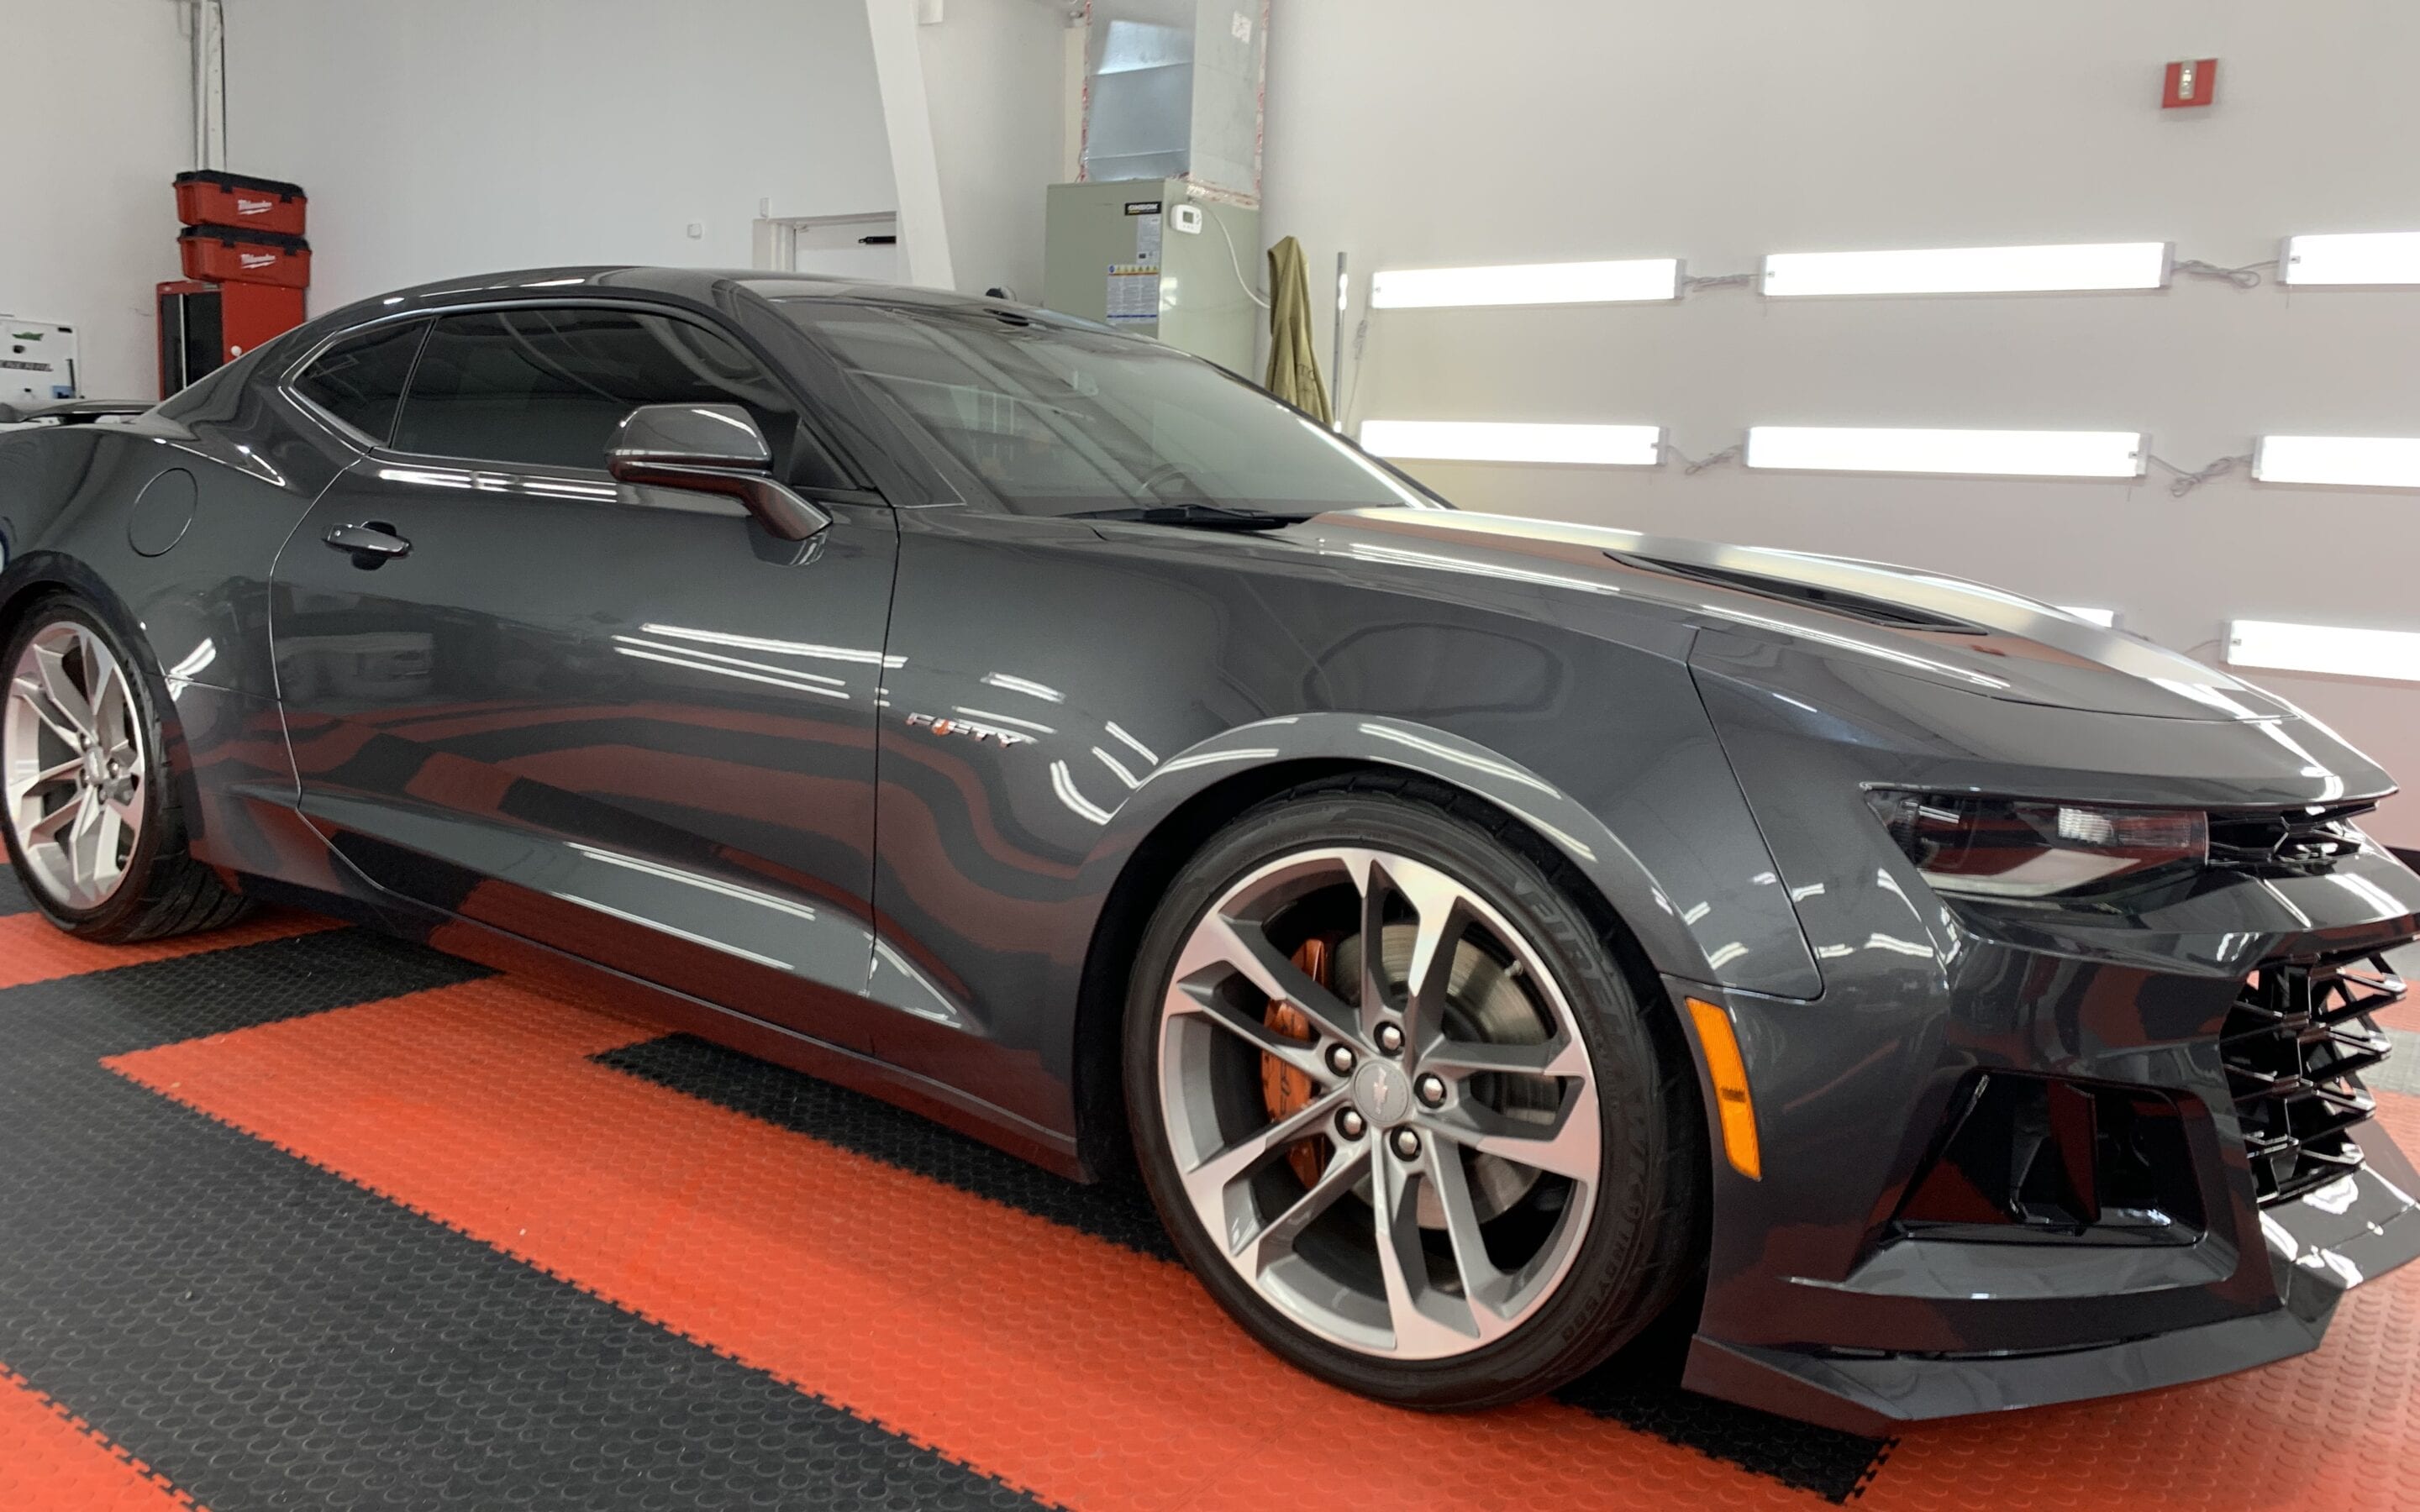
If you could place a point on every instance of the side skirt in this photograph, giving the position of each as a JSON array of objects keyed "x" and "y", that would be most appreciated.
[{"x": 616, "y": 992}]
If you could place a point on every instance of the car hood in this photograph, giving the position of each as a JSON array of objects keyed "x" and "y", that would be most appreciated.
[{"x": 1942, "y": 629}]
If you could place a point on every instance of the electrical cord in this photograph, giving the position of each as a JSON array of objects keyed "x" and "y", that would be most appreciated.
[
  {"x": 1691, "y": 285},
  {"x": 1235, "y": 261},
  {"x": 1690, "y": 469},
  {"x": 2247, "y": 276},
  {"x": 1347, "y": 391},
  {"x": 2185, "y": 482}
]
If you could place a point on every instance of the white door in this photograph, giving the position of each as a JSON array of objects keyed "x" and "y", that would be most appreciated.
[{"x": 843, "y": 246}]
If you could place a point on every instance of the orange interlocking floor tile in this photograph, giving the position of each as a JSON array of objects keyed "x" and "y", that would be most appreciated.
[
  {"x": 55, "y": 1461},
  {"x": 1095, "y": 1375},
  {"x": 32, "y": 950},
  {"x": 1078, "y": 1369}
]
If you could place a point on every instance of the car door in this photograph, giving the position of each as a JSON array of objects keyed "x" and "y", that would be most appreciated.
[{"x": 627, "y": 723}]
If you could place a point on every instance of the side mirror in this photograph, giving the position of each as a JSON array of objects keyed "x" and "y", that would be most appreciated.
[{"x": 710, "y": 448}]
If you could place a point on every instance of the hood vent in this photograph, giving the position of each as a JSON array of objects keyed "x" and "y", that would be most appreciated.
[{"x": 1838, "y": 601}]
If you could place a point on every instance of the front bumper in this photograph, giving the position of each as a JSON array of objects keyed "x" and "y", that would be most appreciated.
[
  {"x": 1823, "y": 1301},
  {"x": 1826, "y": 1301},
  {"x": 2316, "y": 1248}
]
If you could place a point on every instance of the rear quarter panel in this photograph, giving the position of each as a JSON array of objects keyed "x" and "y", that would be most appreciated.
[{"x": 182, "y": 575}]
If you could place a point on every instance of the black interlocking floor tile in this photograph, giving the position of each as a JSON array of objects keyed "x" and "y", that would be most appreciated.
[
  {"x": 12, "y": 898},
  {"x": 267, "y": 1335},
  {"x": 1118, "y": 1211},
  {"x": 1826, "y": 1461},
  {"x": 110, "y": 1012},
  {"x": 1829, "y": 1463}
]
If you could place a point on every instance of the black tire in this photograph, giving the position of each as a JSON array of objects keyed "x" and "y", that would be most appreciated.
[
  {"x": 1642, "y": 1245},
  {"x": 166, "y": 891}
]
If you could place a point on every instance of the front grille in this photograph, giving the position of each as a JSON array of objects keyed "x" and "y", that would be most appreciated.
[{"x": 2295, "y": 1045}]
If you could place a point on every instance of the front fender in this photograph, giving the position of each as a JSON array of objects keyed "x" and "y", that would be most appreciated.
[{"x": 1703, "y": 899}]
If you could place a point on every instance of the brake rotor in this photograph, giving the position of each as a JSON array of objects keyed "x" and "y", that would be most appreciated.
[{"x": 1485, "y": 1004}]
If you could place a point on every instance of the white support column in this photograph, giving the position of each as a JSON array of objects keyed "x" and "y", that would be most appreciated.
[
  {"x": 908, "y": 119},
  {"x": 206, "y": 24},
  {"x": 1070, "y": 89}
]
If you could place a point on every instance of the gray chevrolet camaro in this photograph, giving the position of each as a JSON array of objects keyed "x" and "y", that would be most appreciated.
[{"x": 1498, "y": 942}]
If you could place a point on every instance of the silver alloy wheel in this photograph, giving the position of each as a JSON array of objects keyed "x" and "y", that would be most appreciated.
[
  {"x": 73, "y": 765},
  {"x": 1383, "y": 1246}
]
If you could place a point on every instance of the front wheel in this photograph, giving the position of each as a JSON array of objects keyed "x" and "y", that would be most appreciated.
[
  {"x": 93, "y": 831},
  {"x": 1401, "y": 1108}
]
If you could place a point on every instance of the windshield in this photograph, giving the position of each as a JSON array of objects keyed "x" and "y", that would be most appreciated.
[{"x": 1058, "y": 420}]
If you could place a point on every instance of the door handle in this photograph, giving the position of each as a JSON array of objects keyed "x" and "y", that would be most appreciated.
[{"x": 371, "y": 543}]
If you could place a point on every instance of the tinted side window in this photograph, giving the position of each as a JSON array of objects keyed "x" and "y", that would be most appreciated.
[
  {"x": 360, "y": 379},
  {"x": 548, "y": 387},
  {"x": 1060, "y": 419}
]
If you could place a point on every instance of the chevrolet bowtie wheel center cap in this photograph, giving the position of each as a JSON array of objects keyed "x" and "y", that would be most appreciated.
[{"x": 1383, "y": 1093}]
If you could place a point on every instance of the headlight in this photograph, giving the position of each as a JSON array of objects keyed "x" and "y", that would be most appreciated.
[{"x": 2023, "y": 848}]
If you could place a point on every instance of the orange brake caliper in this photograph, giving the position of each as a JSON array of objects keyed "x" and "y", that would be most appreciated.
[{"x": 1286, "y": 1091}]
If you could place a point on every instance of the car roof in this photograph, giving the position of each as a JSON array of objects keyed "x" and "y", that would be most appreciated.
[{"x": 700, "y": 285}]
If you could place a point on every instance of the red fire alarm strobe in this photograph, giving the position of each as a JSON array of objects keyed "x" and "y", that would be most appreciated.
[{"x": 2192, "y": 81}]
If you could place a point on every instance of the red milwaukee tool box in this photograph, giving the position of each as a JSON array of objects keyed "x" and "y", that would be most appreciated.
[
  {"x": 229, "y": 255},
  {"x": 232, "y": 199}
]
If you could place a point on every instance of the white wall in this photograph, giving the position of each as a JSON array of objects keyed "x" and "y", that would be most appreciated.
[
  {"x": 1413, "y": 132},
  {"x": 99, "y": 98},
  {"x": 993, "y": 79},
  {"x": 442, "y": 137},
  {"x": 449, "y": 136}
]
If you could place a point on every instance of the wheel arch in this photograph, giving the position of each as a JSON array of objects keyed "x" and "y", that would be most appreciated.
[
  {"x": 23, "y": 584},
  {"x": 1156, "y": 834},
  {"x": 26, "y": 582},
  {"x": 39, "y": 575}
]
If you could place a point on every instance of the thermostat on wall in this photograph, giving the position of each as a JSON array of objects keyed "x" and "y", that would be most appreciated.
[{"x": 1187, "y": 217}]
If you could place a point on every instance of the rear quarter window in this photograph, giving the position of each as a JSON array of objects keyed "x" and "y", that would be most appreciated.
[{"x": 360, "y": 380}]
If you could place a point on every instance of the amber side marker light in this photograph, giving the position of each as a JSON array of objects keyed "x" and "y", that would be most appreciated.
[{"x": 1730, "y": 1075}]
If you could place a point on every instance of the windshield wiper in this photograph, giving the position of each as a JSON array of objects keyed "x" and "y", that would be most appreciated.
[{"x": 1206, "y": 516}]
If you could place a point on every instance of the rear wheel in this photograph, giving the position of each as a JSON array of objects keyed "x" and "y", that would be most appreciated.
[
  {"x": 93, "y": 831},
  {"x": 1401, "y": 1108}
]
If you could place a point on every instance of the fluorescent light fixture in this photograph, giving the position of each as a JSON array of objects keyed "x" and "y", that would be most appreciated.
[
  {"x": 2026, "y": 454},
  {"x": 1641, "y": 278},
  {"x": 2354, "y": 260},
  {"x": 1478, "y": 440},
  {"x": 2104, "y": 264},
  {"x": 2340, "y": 461},
  {"x": 2324, "y": 648},
  {"x": 2105, "y": 618}
]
